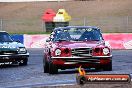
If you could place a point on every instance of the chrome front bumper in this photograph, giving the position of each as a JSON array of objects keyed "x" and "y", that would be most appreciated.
[
  {"x": 75, "y": 60},
  {"x": 75, "y": 57}
]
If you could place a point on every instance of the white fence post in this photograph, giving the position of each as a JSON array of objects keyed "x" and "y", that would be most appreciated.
[
  {"x": 84, "y": 21},
  {"x": 127, "y": 23},
  {"x": 1, "y": 24},
  {"x": 43, "y": 26}
]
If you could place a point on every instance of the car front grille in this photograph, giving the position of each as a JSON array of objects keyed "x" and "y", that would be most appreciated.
[
  {"x": 82, "y": 52},
  {"x": 8, "y": 52}
]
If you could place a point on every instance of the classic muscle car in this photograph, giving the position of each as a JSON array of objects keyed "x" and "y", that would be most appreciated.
[
  {"x": 12, "y": 52},
  {"x": 74, "y": 46}
]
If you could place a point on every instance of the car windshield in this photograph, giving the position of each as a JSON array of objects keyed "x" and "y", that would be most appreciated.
[
  {"x": 5, "y": 37},
  {"x": 77, "y": 34}
]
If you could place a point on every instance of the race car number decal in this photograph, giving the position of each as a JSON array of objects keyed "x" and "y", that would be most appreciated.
[{"x": 7, "y": 47}]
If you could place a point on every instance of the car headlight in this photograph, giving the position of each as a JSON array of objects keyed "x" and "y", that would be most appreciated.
[
  {"x": 22, "y": 50},
  {"x": 106, "y": 51},
  {"x": 57, "y": 52}
]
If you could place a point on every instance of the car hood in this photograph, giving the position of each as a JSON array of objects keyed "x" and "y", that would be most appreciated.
[
  {"x": 79, "y": 44},
  {"x": 5, "y": 46}
]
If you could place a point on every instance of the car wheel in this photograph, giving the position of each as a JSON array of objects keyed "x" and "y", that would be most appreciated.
[
  {"x": 81, "y": 80},
  {"x": 23, "y": 62},
  {"x": 46, "y": 66},
  {"x": 108, "y": 67},
  {"x": 53, "y": 68}
]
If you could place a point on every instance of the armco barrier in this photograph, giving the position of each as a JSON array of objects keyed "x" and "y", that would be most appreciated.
[
  {"x": 119, "y": 40},
  {"x": 35, "y": 41},
  {"x": 113, "y": 40}
]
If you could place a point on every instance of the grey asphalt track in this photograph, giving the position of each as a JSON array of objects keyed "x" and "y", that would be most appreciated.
[{"x": 14, "y": 76}]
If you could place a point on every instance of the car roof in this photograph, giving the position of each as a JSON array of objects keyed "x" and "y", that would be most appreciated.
[
  {"x": 77, "y": 27},
  {"x": 3, "y": 31}
]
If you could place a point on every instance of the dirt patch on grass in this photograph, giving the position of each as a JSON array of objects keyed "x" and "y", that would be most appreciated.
[
  {"x": 75, "y": 8},
  {"x": 93, "y": 10}
]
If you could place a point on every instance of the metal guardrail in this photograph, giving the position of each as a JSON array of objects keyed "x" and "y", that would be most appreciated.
[{"x": 107, "y": 24}]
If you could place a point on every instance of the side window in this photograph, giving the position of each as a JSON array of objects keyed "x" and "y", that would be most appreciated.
[
  {"x": 98, "y": 35},
  {"x": 5, "y": 37}
]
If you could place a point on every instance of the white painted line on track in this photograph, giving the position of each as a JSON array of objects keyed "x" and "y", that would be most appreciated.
[
  {"x": 41, "y": 85},
  {"x": 61, "y": 85}
]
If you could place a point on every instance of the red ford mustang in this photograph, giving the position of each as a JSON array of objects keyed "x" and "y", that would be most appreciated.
[{"x": 74, "y": 46}]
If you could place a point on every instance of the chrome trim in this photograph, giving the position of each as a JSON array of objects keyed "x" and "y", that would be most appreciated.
[
  {"x": 11, "y": 55},
  {"x": 82, "y": 52},
  {"x": 82, "y": 61},
  {"x": 103, "y": 56},
  {"x": 83, "y": 57},
  {"x": 70, "y": 62}
]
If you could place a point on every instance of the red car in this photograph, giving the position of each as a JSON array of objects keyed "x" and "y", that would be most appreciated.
[{"x": 74, "y": 46}]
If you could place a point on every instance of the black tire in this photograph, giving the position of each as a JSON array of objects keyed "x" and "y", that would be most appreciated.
[
  {"x": 24, "y": 62},
  {"x": 52, "y": 68},
  {"x": 108, "y": 67},
  {"x": 81, "y": 80},
  {"x": 46, "y": 66}
]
